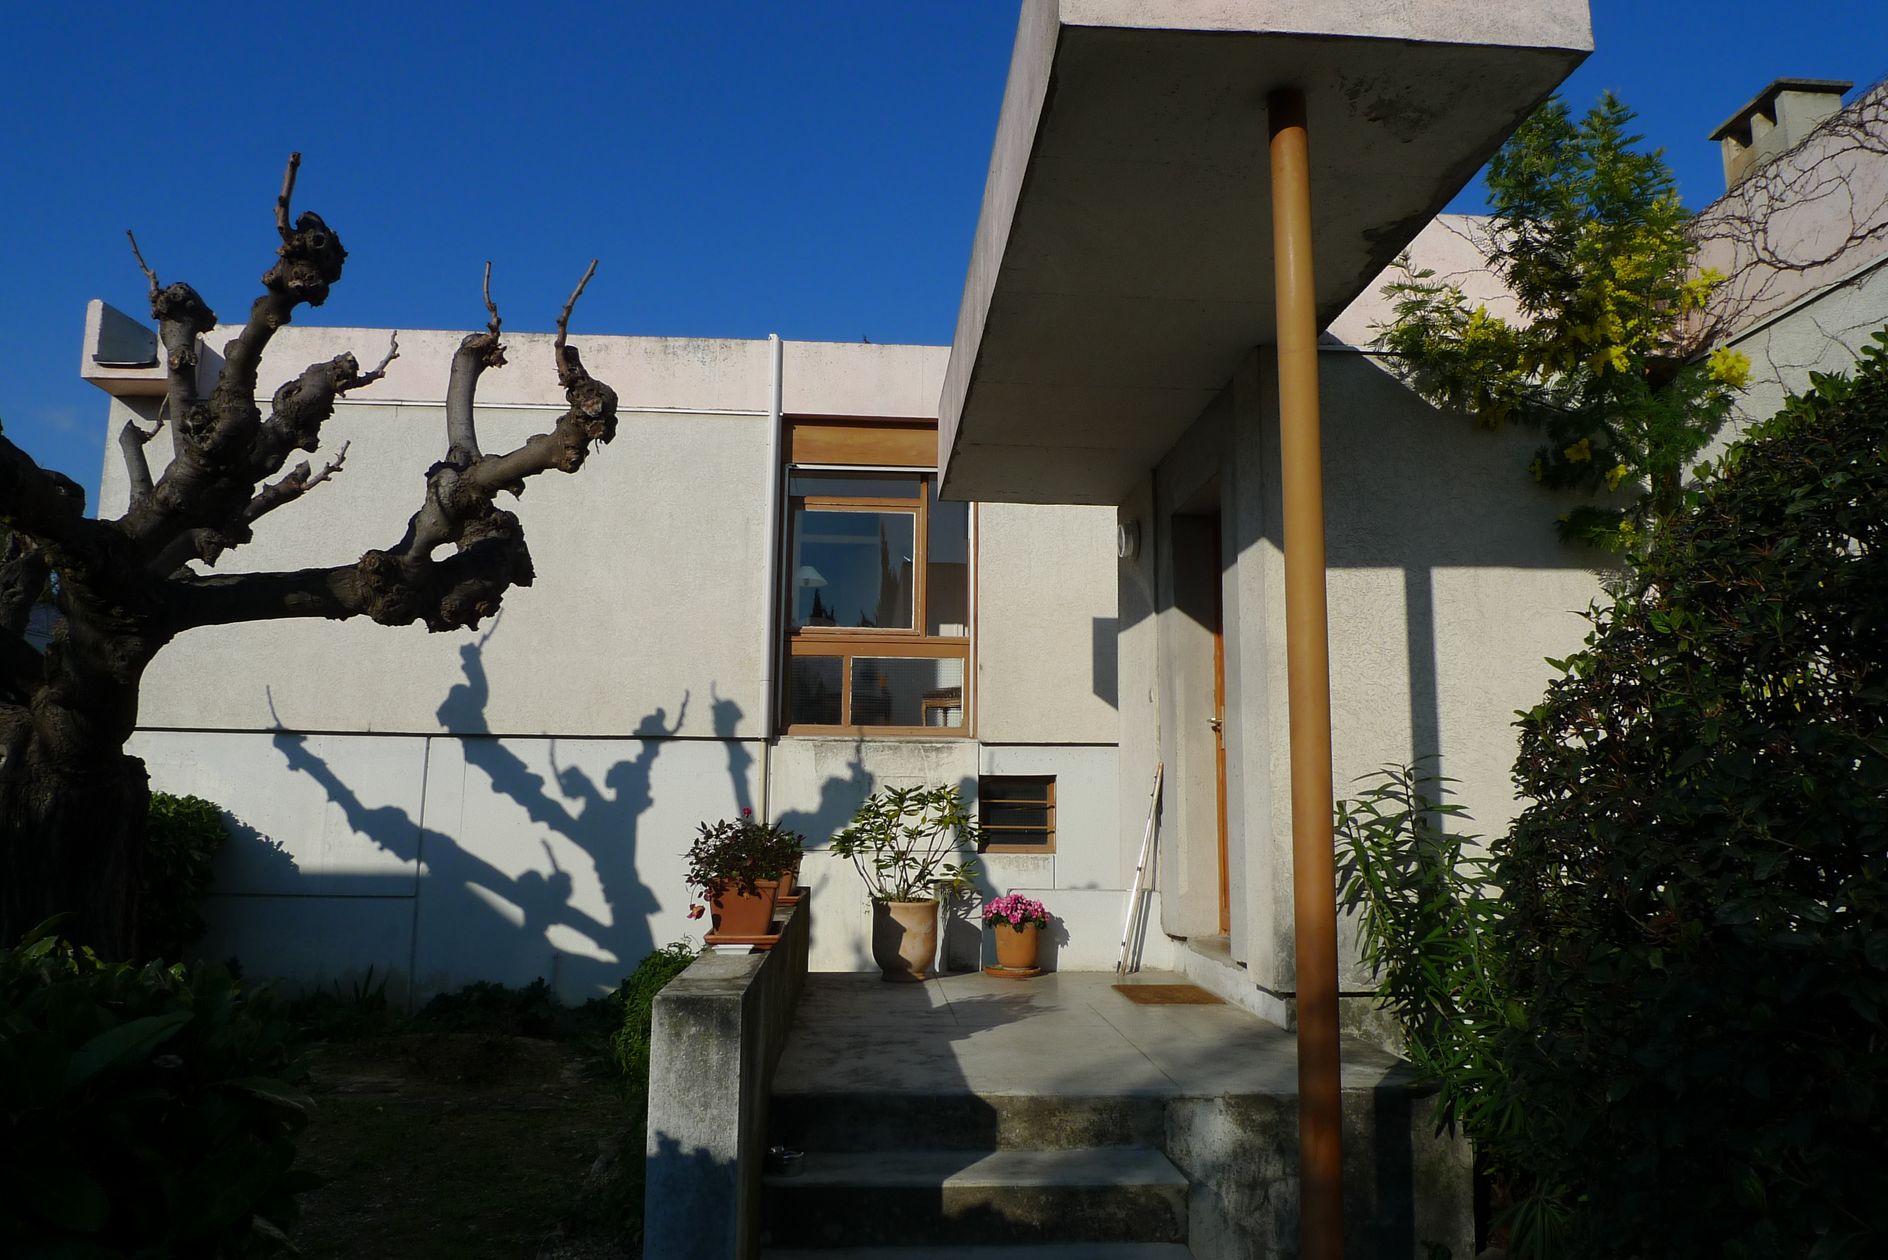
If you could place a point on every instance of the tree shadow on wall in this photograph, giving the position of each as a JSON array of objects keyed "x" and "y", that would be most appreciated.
[
  {"x": 840, "y": 796},
  {"x": 560, "y": 899}
]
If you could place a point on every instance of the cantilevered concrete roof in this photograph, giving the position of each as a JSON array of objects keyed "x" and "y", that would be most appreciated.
[{"x": 1123, "y": 258}]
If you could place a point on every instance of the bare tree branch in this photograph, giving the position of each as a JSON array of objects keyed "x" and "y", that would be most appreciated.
[
  {"x": 406, "y": 583},
  {"x": 476, "y": 353},
  {"x": 208, "y": 545},
  {"x": 297, "y": 483},
  {"x": 288, "y": 191},
  {"x": 491, "y": 306},
  {"x": 131, "y": 440},
  {"x": 308, "y": 264},
  {"x": 23, "y": 573},
  {"x": 380, "y": 369},
  {"x": 563, "y": 322},
  {"x": 142, "y": 266},
  {"x": 47, "y": 507},
  {"x": 182, "y": 316}
]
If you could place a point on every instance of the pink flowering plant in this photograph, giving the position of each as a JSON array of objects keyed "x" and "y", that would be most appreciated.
[
  {"x": 1016, "y": 910},
  {"x": 732, "y": 855}
]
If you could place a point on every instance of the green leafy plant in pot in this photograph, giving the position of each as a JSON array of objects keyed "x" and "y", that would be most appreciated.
[
  {"x": 906, "y": 844},
  {"x": 738, "y": 865}
]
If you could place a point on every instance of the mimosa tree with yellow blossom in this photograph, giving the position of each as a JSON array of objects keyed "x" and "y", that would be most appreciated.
[{"x": 1606, "y": 354}]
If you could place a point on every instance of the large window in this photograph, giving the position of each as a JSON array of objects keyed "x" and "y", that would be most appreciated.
[{"x": 877, "y": 601}]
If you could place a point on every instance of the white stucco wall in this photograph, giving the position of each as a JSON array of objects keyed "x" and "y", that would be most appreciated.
[
  {"x": 649, "y": 594},
  {"x": 517, "y": 801},
  {"x": 1822, "y": 333},
  {"x": 439, "y": 861},
  {"x": 1046, "y": 624},
  {"x": 1448, "y": 587}
]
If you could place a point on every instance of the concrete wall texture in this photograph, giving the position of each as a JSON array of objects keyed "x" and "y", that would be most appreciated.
[
  {"x": 1447, "y": 589},
  {"x": 516, "y": 802}
]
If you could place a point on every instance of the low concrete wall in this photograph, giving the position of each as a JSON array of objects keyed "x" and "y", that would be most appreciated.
[
  {"x": 1408, "y": 1190},
  {"x": 718, "y": 1031}
]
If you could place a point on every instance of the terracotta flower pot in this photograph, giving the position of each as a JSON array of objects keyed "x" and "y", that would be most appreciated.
[
  {"x": 746, "y": 914},
  {"x": 1016, "y": 946},
  {"x": 904, "y": 938}
]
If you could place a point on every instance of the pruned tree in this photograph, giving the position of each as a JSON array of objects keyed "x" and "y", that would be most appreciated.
[{"x": 72, "y": 802}]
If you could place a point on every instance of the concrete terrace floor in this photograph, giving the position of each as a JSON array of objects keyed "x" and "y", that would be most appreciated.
[{"x": 1066, "y": 1033}]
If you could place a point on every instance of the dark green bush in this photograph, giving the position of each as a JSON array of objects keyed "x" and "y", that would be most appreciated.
[
  {"x": 629, "y": 1044},
  {"x": 486, "y": 1007},
  {"x": 144, "y": 1111},
  {"x": 182, "y": 835},
  {"x": 1695, "y": 909},
  {"x": 344, "y": 1013}
]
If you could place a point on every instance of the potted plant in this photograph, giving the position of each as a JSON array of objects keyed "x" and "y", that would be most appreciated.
[
  {"x": 1017, "y": 922},
  {"x": 738, "y": 864},
  {"x": 905, "y": 842}
]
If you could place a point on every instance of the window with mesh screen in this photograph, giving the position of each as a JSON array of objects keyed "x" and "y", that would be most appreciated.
[{"x": 1016, "y": 813}]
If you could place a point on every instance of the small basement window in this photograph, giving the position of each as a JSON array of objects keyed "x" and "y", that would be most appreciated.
[{"x": 1016, "y": 813}]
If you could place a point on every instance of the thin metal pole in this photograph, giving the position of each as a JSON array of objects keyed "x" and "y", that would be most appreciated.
[{"x": 1308, "y": 668}]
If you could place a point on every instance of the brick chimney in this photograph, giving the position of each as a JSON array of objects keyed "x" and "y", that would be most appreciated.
[{"x": 1775, "y": 121}]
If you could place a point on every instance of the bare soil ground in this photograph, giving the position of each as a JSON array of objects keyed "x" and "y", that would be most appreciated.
[{"x": 464, "y": 1145}]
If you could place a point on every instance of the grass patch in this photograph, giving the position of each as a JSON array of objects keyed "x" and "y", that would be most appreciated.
[{"x": 493, "y": 1123}]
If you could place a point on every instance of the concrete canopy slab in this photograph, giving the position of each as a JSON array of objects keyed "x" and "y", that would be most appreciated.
[{"x": 1123, "y": 259}]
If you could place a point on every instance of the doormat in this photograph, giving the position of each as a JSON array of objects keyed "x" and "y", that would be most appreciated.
[{"x": 1168, "y": 995}]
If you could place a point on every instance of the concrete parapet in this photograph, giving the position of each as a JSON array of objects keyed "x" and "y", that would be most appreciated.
[{"x": 718, "y": 1031}]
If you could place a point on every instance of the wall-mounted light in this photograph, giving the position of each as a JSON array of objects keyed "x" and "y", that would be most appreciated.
[{"x": 1127, "y": 539}]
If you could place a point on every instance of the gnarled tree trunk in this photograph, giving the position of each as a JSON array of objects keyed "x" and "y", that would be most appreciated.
[{"x": 72, "y": 803}]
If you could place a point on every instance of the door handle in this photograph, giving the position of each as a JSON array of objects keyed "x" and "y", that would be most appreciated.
[{"x": 1215, "y": 724}]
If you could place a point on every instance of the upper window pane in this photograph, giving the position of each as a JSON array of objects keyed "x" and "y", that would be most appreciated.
[
  {"x": 853, "y": 569},
  {"x": 947, "y": 568},
  {"x": 854, "y": 485}
]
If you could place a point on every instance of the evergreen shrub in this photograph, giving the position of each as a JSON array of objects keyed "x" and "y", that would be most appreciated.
[
  {"x": 1694, "y": 911},
  {"x": 144, "y": 1111}
]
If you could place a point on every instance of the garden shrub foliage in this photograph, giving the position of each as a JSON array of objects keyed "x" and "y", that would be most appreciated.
[
  {"x": 1669, "y": 1035},
  {"x": 144, "y": 1111},
  {"x": 1424, "y": 918},
  {"x": 181, "y": 838},
  {"x": 1695, "y": 908},
  {"x": 629, "y": 1043}
]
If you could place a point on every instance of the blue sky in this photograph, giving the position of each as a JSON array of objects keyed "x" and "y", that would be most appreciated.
[{"x": 812, "y": 169}]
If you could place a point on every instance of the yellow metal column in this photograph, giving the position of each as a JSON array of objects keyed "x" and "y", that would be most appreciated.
[{"x": 1308, "y": 667}]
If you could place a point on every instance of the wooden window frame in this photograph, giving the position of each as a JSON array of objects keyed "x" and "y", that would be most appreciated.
[
  {"x": 985, "y": 845},
  {"x": 849, "y": 642},
  {"x": 920, "y": 547}
]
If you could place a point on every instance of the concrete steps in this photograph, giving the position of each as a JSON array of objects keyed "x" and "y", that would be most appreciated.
[
  {"x": 961, "y": 1121},
  {"x": 876, "y": 1198}
]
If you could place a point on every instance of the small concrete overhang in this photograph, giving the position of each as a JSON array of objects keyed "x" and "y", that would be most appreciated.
[{"x": 1123, "y": 258}]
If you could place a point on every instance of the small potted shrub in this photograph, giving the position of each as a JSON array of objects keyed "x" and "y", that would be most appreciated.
[
  {"x": 738, "y": 864},
  {"x": 905, "y": 844},
  {"x": 1017, "y": 922}
]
